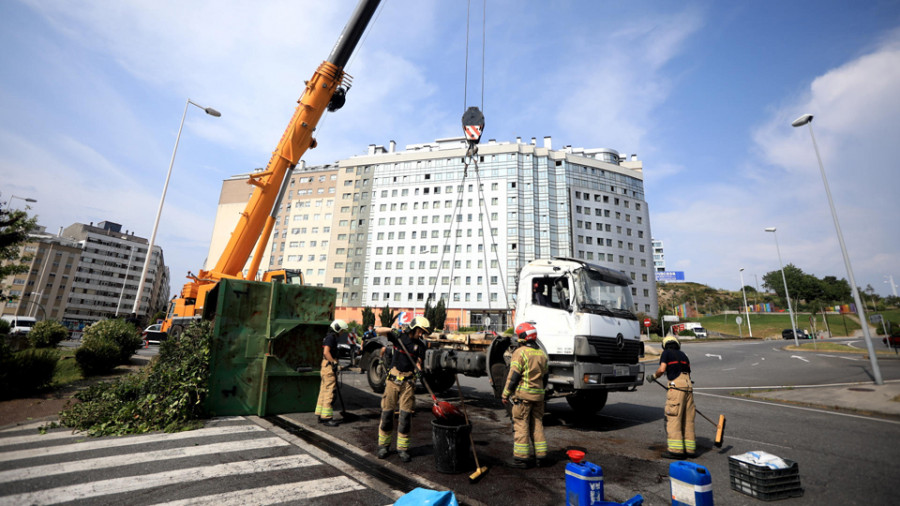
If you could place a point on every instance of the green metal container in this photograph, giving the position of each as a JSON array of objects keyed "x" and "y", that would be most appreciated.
[{"x": 266, "y": 346}]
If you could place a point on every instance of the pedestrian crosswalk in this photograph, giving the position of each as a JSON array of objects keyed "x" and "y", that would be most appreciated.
[{"x": 231, "y": 461}]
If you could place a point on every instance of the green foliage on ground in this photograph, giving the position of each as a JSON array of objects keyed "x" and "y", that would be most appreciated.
[
  {"x": 47, "y": 334},
  {"x": 168, "y": 396},
  {"x": 25, "y": 372},
  {"x": 4, "y": 327}
]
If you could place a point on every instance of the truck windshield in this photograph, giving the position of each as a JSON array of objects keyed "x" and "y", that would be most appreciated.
[{"x": 596, "y": 291}]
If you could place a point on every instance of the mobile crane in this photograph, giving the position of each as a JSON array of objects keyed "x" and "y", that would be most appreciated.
[{"x": 326, "y": 90}]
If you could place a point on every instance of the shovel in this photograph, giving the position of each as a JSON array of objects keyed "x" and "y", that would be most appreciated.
[{"x": 440, "y": 409}]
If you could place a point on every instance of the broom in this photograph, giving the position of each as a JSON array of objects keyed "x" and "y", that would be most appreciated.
[
  {"x": 720, "y": 427},
  {"x": 479, "y": 471}
]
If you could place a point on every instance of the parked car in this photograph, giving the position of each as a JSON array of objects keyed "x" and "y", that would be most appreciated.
[
  {"x": 701, "y": 332},
  {"x": 19, "y": 324},
  {"x": 154, "y": 334},
  {"x": 801, "y": 334},
  {"x": 348, "y": 347}
]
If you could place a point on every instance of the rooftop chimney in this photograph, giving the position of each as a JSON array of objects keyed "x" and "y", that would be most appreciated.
[
  {"x": 548, "y": 142},
  {"x": 392, "y": 146}
]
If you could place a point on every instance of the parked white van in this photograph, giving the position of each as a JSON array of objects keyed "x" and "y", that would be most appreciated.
[{"x": 19, "y": 324}]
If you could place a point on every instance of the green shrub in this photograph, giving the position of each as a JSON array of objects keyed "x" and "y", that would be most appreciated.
[
  {"x": 687, "y": 333},
  {"x": 97, "y": 357},
  {"x": 26, "y": 371},
  {"x": 47, "y": 334},
  {"x": 168, "y": 396},
  {"x": 122, "y": 334},
  {"x": 4, "y": 327}
]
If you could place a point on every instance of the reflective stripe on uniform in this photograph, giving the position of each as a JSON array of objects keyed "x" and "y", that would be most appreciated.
[{"x": 402, "y": 442}]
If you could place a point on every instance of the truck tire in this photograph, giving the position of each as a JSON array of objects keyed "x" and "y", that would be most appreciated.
[
  {"x": 587, "y": 402},
  {"x": 376, "y": 374},
  {"x": 440, "y": 381}
]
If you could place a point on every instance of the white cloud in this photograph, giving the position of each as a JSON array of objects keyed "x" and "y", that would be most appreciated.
[{"x": 857, "y": 124}]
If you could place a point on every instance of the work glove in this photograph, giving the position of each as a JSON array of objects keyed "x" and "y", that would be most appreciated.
[
  {"x": 418, "y": 374},
  {"x": 505, "y": 401},
  {"x": 651, "y": 378}
]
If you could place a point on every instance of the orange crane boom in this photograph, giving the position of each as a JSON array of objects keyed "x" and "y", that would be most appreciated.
[{"x": 324, "y": 91}]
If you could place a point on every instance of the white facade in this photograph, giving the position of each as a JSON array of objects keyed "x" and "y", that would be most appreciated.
[{"x": 659, "y": 257}]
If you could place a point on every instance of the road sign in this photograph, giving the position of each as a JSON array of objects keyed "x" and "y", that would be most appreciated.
[
  {"x": 670, "y": 318},
  {"x": 875, "y": 318},
  {"x": 738, "y": 320},
  {"x": 646, "y": 322}
]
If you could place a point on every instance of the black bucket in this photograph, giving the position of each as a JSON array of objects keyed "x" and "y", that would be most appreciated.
[{"x": 452, "y": 451}]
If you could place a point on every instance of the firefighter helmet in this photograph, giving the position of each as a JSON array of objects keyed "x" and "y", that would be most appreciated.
[
  {"x": 526, "y": 331},
  {"x": 420, "y": 322},
  {"x": 339, "y": 326},
  {"x": 671, "y": 340}
]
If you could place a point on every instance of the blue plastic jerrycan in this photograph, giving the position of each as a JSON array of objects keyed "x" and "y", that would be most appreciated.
[
  {"x": 691, "y": 484},
  {"x": 584, "y": 484}
]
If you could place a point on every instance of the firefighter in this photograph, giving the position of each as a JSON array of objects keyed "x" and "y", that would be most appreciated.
[
  {"x": 680, "y": 409},
  {"x": 399, "y": 389},
  {"x": 525, "y": 389},
  {"x": 329, "y": 373}
]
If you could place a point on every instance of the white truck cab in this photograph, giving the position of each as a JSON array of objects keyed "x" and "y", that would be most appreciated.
[{"x": 585, "y": 322}]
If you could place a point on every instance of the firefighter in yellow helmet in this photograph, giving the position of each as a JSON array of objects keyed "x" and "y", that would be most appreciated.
[
  {"x": 328, "y": 372},
  {"x": 680, "y": 409},
  {"x": 399, "y": 389},
  {"x": 525, "y": 387}
]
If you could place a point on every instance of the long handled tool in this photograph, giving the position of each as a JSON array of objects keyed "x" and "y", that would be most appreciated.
[
  {"x": 479, "y": 471},
  {"x": 720, "y": 427},
  {"x": 440, "y": 409},
  {"x": 337, "y": 386}
]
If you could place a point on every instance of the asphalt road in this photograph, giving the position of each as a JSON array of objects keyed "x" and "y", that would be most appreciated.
[{"x": 843, "y": 459}]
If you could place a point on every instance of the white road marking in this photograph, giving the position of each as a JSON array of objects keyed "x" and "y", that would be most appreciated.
[
  {"x": 757, "y": 442},
  {"x": 717, "y": 356},
  {"x": 129, "y": 440},
  {"x": 730, "y": 369},
  {"x": 791, "y": 406},
  {"x": 130, "y": 483},
  {"x": 837, "y": 356},
  {"x": 800, "y": 358},
  {"x": 139, "y": 457},
  {"x": 37, "y": 438},
  {"x": 276, "y": 494}
]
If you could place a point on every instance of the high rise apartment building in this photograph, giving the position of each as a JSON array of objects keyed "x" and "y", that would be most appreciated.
[
  {"x": 659, "y": 256},
  {"x": 109, "y": 271},
  {"x": 43, "y": 291},
  {"x": 399, "y": 227},
  {"x": 86, "y": 273}
]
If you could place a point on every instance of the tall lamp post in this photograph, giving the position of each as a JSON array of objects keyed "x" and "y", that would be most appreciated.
[
  {"x": 806, "y": 119},
  {"x": 746, "y": 309},
  {"x": 26, "y": 199},
  {"x": 786, "y": 294},
  {"x": 143, "y": 279}
]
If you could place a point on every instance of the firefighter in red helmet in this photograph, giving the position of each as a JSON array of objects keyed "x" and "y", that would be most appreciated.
[{"x": 525, "y": 387}]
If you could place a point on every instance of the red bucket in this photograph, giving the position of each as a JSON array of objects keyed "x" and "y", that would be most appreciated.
[{"x": 575, "y": 456}]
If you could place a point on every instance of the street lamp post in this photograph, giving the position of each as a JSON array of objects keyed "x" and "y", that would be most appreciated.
[
  {"x": 786, "y": 294},
  {"x": 125, "y": 280},
  {"x": 26, "y": 199},
  {"x": 806, "y": 119},
  {"x": 746, "y": 309},
  {"x": 143, "y": 279}
]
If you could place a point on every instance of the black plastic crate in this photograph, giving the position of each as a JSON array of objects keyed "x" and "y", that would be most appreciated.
[{"x": 763, "y": 482}]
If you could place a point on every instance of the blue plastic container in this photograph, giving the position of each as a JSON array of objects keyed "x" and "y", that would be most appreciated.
[
  {"x": 584, "y": 484},
  {"x": 691, "y": 484}
]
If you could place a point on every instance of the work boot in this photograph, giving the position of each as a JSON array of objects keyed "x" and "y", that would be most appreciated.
[
  {"x": 671, "y": 455},
  {"x": 518, "y": 463},
  {"x": 404, "y": 457},
  {"x": 542, "y": 462},
  {"x": 330, "y": 422},
  {"x": 382, "y": 452},
  {"x": 690, "y": 455}
]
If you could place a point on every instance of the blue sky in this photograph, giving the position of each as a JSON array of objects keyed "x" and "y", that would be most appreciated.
[{"x": 703, "y": 92}]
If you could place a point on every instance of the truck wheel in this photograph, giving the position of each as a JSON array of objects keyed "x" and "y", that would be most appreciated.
[
  {"x": 440, "y": 381},
  {"x": 588, "y": 402},
  {"x": 376, "y": 375}
]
